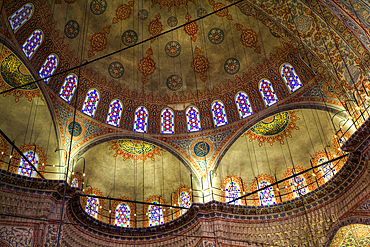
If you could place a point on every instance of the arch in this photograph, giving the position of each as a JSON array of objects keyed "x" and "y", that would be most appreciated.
[
  {"x": 24, "y": 168},
  {"x": 115, "y": 112},
  {"x": 193, "y": 119},
  {"x": 243, "y": 104},
  {"x": 68, "y": 88},
  {"x": 290, "y": 77},
  {"x": 49, "y": 66},
  {"x": 327, "y": 170},
  {"x": 91, "y": 102},
  {"x": 33, "y": 43},
  {"x": 155, "y": 213},
  {"x": 92, "y": 206},
  {"x": 232, "y": 187},
  {"x": 298, "y": 186},
  {"x": 21, "y": 16},
  {"x": 266, "y": 196},
  {"x": 232, "y": 191},
  {"x": 74, "y": 183},
  {"x": 141, "y": 119},
  {"x": 122, "y": 217},
  {"x": 167, "y": 121},
  {"x": 267, "y": 92},
  {"x": 219, "y": 113},
  {"x": 184, "y": 201}
]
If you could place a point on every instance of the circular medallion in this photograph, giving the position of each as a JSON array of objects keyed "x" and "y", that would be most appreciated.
[
  {"x": 71, "y": 29},
  {"x": 173, "y": 48},
  {"x": 216, "y": 36},
  {"x": 174, "y": 82},
  {"x": 303, "y": 23},
  {"x": 79, "y": 129},
  {"x": 172, "y": 21},
  {"x": 116, "y": 70},
  {"x": 143, "y": 14},
  {"x": 201, "y": 149},
  {"x": 98, "y": 7},
  {"x": 232, "y": 66},
  {"x": 129, "y": 37},
  {"x": 201, "y": 12}
]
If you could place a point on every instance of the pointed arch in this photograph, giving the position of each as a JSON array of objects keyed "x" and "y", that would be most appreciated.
[
  {"x": 74, "y": 183},
  {"x": 92, "y": 206},
  {"x": 167, "y": 121},
  {"x": 290, "y": 77},
  {"x": 184, "y": 201},
  {"x": 49, "y": 66},
  {"x": 21, "y": 16},
  {"x": 91, "y": 102},
  {"x": 219, "y": 113},
  {"x": 122, "y": 217},
  {"x": 267, "y": 92},
  {"x": 68, "y": 88},
  {"x": 298, "y": 186},
  {"x": 266, "y": 196},
  {"x": 193, "y": 119},
  {"x": 243, "y": 104},
  {"x": 141, "y": 119},
  {"x": 25, "y": 169},
  {"x": 155, "y": 213},
  {"x": 33, "y": 43},
  {"x": 115, "y": 112},
  {"x": 232, "y": 188}
]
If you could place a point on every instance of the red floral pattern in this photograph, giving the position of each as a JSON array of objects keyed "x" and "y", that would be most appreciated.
[
  {"x": 191, "y": 29},
  {"x": 200, "y": 64},
  {"x": 155, "y": 27},
  {"x": 222, "y": 13},
  {"x": 146, "y": 66},
  {"x": 98, "y": 42},
  {"x": 123, "y": 12},
  {"x": 249, "y": 38}
]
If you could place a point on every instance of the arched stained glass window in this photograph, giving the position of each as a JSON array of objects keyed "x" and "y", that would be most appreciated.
[
  {"x": 290, "y": 77},
  {"x": 267, "y": 196},
  {"x": 327, "y": 170},
  {"x": 49, "y": 67},
  {"x": 141, "y": 119},
  {"x": 193, "y": 119},
  {"x": 91, "y": 102},
  {"x": 74, "y": 183},
  {"x": 268, "y": 93},
  {"x": 122, "y": 215},
  {"x": 219, "y": 113},
  {"x": 167, "y": 121},
  {"x": 32, "y": 43},
  {"x": 25, "y": 168},
  {"x": 184, "y": 201},
  {"x": 298, "y": 185},
  {"x": 21, "y": 16},
  {"x": 155, "y": 215},
  {"x": 232, "y": 192},
  {"x": 244, "y": 107},
  {"x": 68, "y": 88},
  {"x": 115, "y": 112},
  {"x": 92, "y": 206}
]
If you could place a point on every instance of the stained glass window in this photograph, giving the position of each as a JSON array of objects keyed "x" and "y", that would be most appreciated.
[
  {"x": 167, "y": 121},
  {"x": 244, "y": 107},
  {"x": 25, "y": 168},
  {"x": 21, "y": 16},
  {"x": 74, "y": 183},
  {"x": 298, "y": 186},
  {"x": 92, "y": 206},
  {"x": 219, "y": 114},
  {"x": 32, "y": 43},
  {"x": 268, "y": 93},
  {"x": 327, "y": 170},
  {"x": 115, "y": 111},
  {"x": 68, "y": 88},
  {"x": 193, "y": 119},
  {"x": 184, "y": 201},
  {"x": 49, "y": 67},
  {"x": 267, "y": 196},
  {"x": 290, "y": 77},
  {"x": 232, "y": 192},
  {"x": 141, "y": 119},
  {"x": 155, "y": 215},
  {"x": 91, "y": 102},
  {"x": 122, "y": 215}
]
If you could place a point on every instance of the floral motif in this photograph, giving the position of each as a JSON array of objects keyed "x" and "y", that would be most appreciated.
[
  {"x": 155, "y": 27},
  {"x": 191, "y": 29},
  {"x": 171, "y": 3},
  {"x": 98, "y": 41},
  {"x": 200, "y": 64},
  {"x": 123, "y": 12},
  {"x": 146, "y": 66},
  {"x": 249, "y": 38},
  {"x": 222, "y": 13}
]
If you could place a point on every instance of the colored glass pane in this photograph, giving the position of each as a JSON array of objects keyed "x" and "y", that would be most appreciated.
[
  {"x": 219, "y": 114},
  {"x": 20, "y": 17},
  {"x": 68, "y": 88},
  {"x": 141, "y": 119},
  {"x": 167, "y": 122},
  {"x": 114, "y": 114},
  {"x": 298, "y": 186},
  {"x": 92, "y": 206},
  {"x": 267, "y": 196},
  {"x": 184, "y": 201},
  {"x": 232, "y": 192},
  {"x": 122, "y": 215},
  {"x": 91, "y": 102},
  {"x": 244, "y": 107},
  {"x": 268, "y": 93},
  {"x": 290, "y": 77},
  {"x": 193, "y": 119},
  {"x": 327, "y": 170},
  {"x": 48, "y": 68},
  {"x": 155, "y": 215},
  {"x": 74, "y": 183},
  {"x": 32, "y": 43},
  {"x": 25, "y": 168}
]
